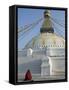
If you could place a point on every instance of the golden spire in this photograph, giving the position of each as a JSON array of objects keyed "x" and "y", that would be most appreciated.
[{"x": 47, "y": 24}]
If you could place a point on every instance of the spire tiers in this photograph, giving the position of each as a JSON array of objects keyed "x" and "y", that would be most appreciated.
[{"x": 47, "y": 24}]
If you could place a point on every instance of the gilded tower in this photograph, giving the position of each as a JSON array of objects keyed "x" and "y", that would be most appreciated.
[{"x": 47, "y": 24}]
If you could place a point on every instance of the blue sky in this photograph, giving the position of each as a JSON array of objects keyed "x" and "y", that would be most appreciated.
[{"x": 28, "y": 16}]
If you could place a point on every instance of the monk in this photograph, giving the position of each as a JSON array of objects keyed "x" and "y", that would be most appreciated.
[{"x": 28, "y": 75}]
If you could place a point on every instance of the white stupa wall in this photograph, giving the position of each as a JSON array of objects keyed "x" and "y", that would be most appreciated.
[
  {"x": 45, "y": 71},
  {"x": 58, "y": 65},
  {"x": 55, "y": 51},
  {"x": 34, "y": 62},
  {"x": 45, "y": 67}
]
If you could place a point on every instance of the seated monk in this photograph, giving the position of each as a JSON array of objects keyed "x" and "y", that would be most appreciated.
[{"x": 28, "y": 75}]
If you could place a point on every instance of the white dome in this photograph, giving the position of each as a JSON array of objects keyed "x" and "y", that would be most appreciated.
[{"x": 46, "y": 40}]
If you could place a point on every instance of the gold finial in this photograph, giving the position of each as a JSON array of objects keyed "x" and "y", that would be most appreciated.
[{"x": 47, "y": 13}]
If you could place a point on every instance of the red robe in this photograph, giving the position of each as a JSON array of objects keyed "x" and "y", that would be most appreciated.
[{"x": 28, "y": 75}]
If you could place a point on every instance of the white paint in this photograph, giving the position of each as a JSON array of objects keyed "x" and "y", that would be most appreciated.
[
  {"x": 29, "y": 52},
  {"x": 58, "y": 65},
  {"x": 45, "y": 67},
  {"x": 50, "y": 62}
]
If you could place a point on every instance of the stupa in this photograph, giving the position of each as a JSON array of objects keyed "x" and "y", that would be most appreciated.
[{"x": 45, "y": 53}]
